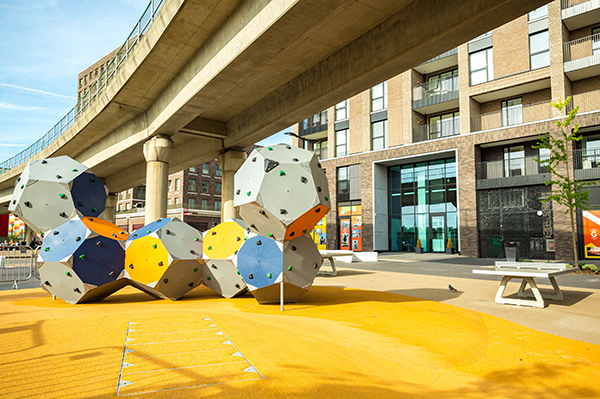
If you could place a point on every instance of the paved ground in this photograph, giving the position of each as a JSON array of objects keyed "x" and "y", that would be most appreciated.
[{"x": 385, "y": 330}]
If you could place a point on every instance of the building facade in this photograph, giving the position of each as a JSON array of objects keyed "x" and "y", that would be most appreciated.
[
  {"x": 443, "y": 154},
  {"x": 87, "y": 77}
]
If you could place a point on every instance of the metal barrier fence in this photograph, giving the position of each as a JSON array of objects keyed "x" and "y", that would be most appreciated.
[{"x": 18, "y": 263}]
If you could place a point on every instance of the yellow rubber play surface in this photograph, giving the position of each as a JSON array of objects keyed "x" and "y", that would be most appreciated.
[{"x": 336, "y": 343}]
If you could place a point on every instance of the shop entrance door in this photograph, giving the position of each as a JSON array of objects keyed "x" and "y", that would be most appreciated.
[
  {"x": 437, "y": 233},
  {"x": 345, "y": 242}
]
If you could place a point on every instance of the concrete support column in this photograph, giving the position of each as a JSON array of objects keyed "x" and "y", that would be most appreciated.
[
  {"x": 229, "y": 162},
  {"x": 157, "y": 152},
  {"x": 110, "y": 209}
]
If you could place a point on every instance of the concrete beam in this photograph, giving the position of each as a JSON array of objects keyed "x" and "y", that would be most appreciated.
[
  {"x": 205, "y": 127},
  {"x": 406, "y": 39}
]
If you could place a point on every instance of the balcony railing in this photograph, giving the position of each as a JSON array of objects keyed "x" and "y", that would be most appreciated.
[
  {"x": 91, "y": 94},
  {"x": 564, "y": 4},
  {"x": 581, "y": 48},
  {"x": 512, "y": 116},
  {"x": 586, "y": 158},
  {"x": 444, "y": 128},
  {"x": 435, "y": 88},
  {"x": 508, "y": 168}
]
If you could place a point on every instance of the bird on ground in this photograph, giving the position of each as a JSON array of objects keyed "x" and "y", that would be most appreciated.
[{"x": 451, "y": 288}]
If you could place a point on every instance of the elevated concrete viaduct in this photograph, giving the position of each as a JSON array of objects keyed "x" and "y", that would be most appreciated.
[{"x": 214, "y": 76}]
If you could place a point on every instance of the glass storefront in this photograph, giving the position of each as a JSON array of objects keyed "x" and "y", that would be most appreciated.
[{"x": 423, "y": 205}]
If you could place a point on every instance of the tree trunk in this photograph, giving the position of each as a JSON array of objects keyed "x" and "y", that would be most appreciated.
[{"x": 574, "y": 236}]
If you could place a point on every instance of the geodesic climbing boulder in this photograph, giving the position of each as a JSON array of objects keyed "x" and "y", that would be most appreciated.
[
  {"x": 221, "y": 244},
  {"x": 281, "y": 191},
  {"x": 50, "y": 192},
  {"x": 82, "y": 260},
  {"x": 164, "y": 258},
  {"x": 264, "y": 263}
]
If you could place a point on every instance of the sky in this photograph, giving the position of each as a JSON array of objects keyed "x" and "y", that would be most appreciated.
[{"x": 44, "y": 44}]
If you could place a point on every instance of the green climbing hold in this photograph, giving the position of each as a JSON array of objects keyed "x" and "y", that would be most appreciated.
[
  {"x": 304, "y": 231},
  {"x": 208, "y": 278},
  {"x": 289, "y": 268},
  {"x": 269, "y": 275},
  {"x": 249, "y": 192},
  {"x": 195, "y": 269},
  {"x": 61, "y": 195},
  {"x": 68, "y": 274},
  {"x": 245, "y": 238},
  {"x": 82, "y": 257},
  {"x": 270, "y": 234},
  {"x": 94, "y": 210},
  {"x": 281, "y": 173},
  {"x": 270, "y": 148},
  {"x": 46, "y": 249},
  {"x": 196, "y": 238},
  {"x": 238, "y": 272},
  {"x": 148, "y": 232},
  {"x": 121, "y": 232},
  {"x": 154, "y": 246},
  {"x": 74, "y": 170},
  {"x": 22, "y": 185},
  {"x": 209, "y": 248},
  {"x": 326, "y": 198}
]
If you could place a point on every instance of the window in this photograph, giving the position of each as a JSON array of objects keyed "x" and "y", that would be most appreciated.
[
  {"x": 204, "y": 186},
  {"x": 119, "y": 208},
  {"x": 85, "y": 80},
  {"x": 343, "y": 180},
  {"x": 218, "y": 171},
  {"x": 141, "y": 193},
  {"x": 341, "y": 111},
  {"x": 482, "y": 66},
  {"x": 80, "y": 83},
  {"x": 539, "y": 13},
  {"x": 101, "y": 69},
  {"x": 539, "y": 50},
  {"x": 127, "y": 206},
  {"x": 193, "y": 169},
  {"x": 191, "y": 202},
  {"x": 379, "y": 97},
  {"x": 169, "y": 201},
  {"x": 512, "y": 112},
  {"x": 129, "y": 192},
  {"x": 96, "y": 72},
  {"x": 205, "y": 168},
  {"x": 341, "y": 144},
  {"x": 444, "y": 125},
  {"x": 320, "y": 149},
  {"x": 192, "y": 185},
  {"x": 170, "y": 185},
  {"x": 218, "y": 188},
  {"x": 177, "y": 185},
  {"x": 176, "y": 200},
  {"x": 514, "y": 161},
  {"x": 217, "y": 205},
  {"x": 379, "y": 135},
  {"x": 442, "y": 83},
  {"x": 595, "y": 41},
  {"x": 204, "y": 204}
]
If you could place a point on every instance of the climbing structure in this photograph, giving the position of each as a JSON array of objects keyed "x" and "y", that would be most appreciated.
[
  {"x": 50, "y": 192},
  {"x": 281, "y": 193},
  {"x": 165, "y": 258},
  {"x": 221, "y": 245},
  {"x": 265, "y": 263},
  {"x": 82, "y": 260}
]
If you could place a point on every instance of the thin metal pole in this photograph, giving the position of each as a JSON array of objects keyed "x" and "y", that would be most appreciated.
[{"x": 281, "y": 299}]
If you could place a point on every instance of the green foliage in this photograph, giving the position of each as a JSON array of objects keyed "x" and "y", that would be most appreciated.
[
  {"x": 589, "y": 267},
  {"x": 566, "y": 190}
]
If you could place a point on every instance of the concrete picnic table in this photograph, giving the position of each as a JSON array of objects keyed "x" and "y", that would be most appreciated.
[
  {"x": 329, "y": 254},
  {"x": 527, "y": 272}
]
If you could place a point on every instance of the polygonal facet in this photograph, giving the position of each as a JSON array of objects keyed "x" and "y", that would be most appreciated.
[
  {"x": 264, "y": 263},
  {"x": 52, "y": 191},
  {"x": 221, "y": 244},
  {"x": 165, "y": 256},
  {"x": 82, "y": 260},
  {"x": 281, "y": 191}
]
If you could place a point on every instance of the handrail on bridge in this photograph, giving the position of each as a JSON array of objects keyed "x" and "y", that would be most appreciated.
[{"x": 91, "y": 94}]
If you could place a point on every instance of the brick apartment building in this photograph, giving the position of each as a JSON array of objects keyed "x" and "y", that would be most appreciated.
[
  {"x": 445, "y": 150},
  {"x": 87, "y": 77}
]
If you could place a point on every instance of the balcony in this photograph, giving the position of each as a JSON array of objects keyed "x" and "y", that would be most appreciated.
[
  {"x": 442, "y": 61},
  {"x": 582, "y": 57},
  {"x": 314, "y": 127},
  {"x": 436, "y": 96},
  {"x": 513, "y": 117},
  {"x": 509, "y": 173},
  {"x": 437, "y": 130},
  {"x": 587, "y": 101},
  {"x": 587, "y": 163},
  {"x": 176, "y": 208},
  {"x": 579, "y": 13}
]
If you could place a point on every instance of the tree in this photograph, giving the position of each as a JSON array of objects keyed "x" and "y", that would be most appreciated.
[{"x": 566, "y": 190}]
